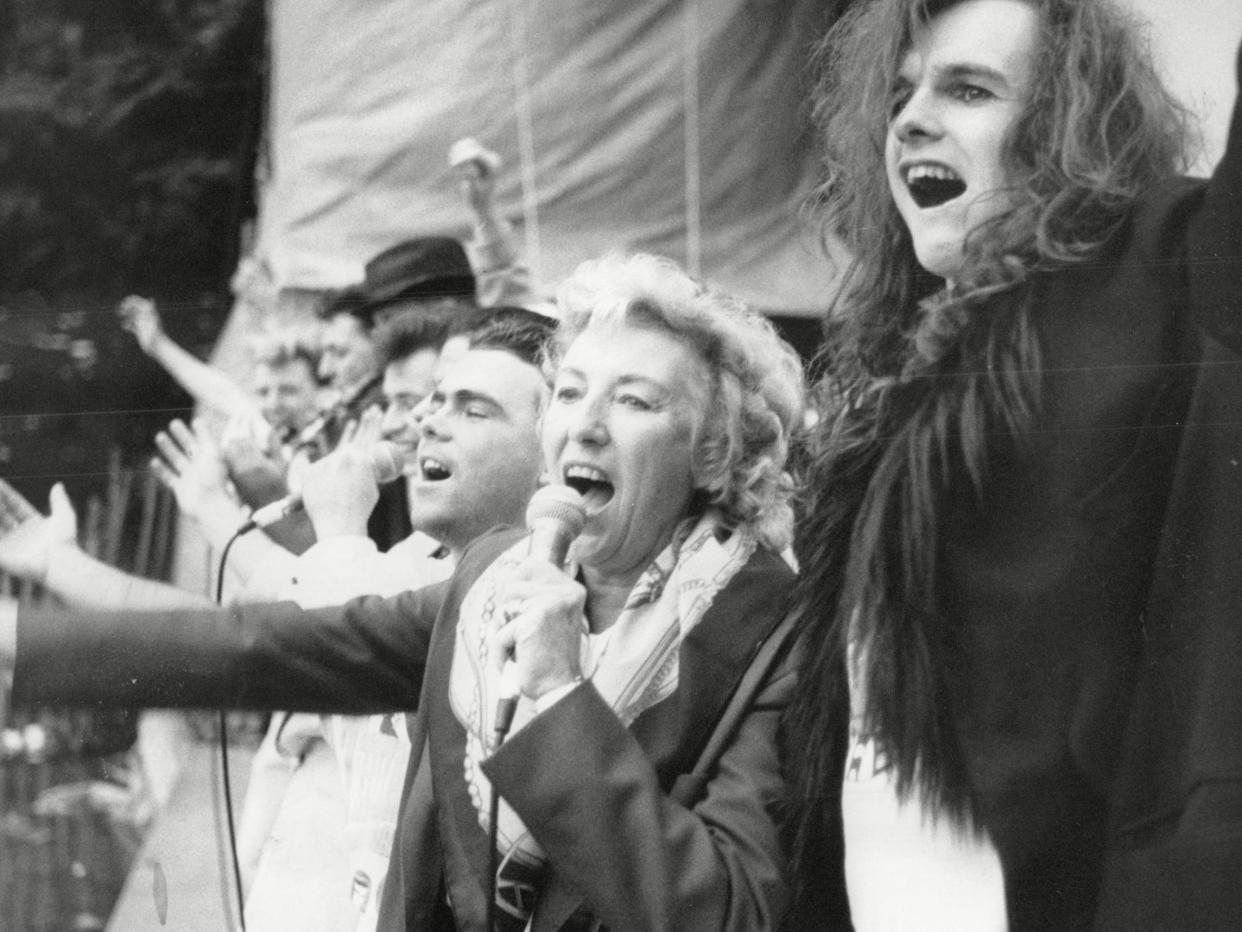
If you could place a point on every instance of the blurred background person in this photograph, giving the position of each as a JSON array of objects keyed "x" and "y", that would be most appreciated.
[
  {"x": 502, "y": 278},
  {"x": 283, "y": 395},
  {"x": 408, "y": 349},
  {"x": 428, "y": 277}
]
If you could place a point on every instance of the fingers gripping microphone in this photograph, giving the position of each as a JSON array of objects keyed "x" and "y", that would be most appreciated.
[
  {"x": 386, "y": 465},
  {"x": 556, "y": 515}
]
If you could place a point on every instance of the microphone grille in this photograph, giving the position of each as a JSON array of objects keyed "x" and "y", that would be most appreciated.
[{"x": 560, "y": 503}]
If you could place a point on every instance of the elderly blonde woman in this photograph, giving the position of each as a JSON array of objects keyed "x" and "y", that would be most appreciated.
[{"x": 670, "y": 411}]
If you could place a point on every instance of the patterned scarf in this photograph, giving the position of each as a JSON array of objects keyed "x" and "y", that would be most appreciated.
[{"x": 633, "y": 665}]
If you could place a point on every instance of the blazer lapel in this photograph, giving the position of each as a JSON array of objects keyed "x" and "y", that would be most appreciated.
[
  {"x": 715, "y": 654},
  {"x": 712, "y": 658}
]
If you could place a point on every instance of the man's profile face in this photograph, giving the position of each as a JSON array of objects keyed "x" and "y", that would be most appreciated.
[
  {"x": 478, "y": 458},
  {"x": 286, "y": 393},
  {"x": 347, "y": 355}
]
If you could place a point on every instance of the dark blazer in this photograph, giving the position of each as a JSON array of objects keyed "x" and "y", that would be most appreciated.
[
  {"x": 1096, "y": 584},
  {"x": 593, "y": 792}
]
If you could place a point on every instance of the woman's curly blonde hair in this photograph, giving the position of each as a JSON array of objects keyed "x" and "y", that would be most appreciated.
[{"x": 755, "y": 400}]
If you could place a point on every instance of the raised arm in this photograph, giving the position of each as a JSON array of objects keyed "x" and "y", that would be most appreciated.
[
  {"x": 366, "y": 656},
  {"x": 192, "y": 467},
  {"x": 206, "y": 384},
  {"x": 501, "y": 275},
  {"x": 1215, "y": 243},
  {"x": 44, "y": 549}
]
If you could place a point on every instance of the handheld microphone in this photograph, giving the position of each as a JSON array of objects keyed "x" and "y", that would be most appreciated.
[
  {"x": 556, "y": 515},
  {"x": 386, "y": 465}
]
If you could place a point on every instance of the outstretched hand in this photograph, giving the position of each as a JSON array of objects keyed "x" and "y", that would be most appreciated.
[
  {"x": 140, "y": 317},
  {"x": 191, "y": 466},
  {"x": 28, "y": 540}
]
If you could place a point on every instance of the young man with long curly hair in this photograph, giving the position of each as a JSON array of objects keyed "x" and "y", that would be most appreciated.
[{"x": 1020, "y": 554}]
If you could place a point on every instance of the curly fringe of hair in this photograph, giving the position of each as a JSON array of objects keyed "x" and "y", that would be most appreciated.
[
  {"x": 755, "y": 401},
  {"x": 284, "y": 347},
  {"x": 926, "y": 384}
]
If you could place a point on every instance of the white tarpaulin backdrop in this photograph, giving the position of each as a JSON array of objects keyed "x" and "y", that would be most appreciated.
[{"x": 671, "y": 126}]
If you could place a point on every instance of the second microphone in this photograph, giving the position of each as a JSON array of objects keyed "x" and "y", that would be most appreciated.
[{"x": 387, "y": 463}]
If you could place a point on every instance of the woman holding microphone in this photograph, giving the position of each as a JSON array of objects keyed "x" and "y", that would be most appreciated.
[{"x": 670, "y": 413}]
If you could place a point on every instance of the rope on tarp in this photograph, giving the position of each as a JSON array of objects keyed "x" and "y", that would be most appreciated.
[
  {"x": 692, "y": 42},
  {"x": 525, "y": 137}
]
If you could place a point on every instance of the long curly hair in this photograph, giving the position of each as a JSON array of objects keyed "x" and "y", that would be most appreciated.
[
  {"x": 922, "y": 383},
  {"x": 756, "y": 398}
]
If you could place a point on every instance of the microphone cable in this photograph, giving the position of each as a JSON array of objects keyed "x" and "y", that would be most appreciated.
[
  {"x": 385, "y": 461},
  {"x": 504, "y": 721},
  {"x": 224, "y": 753}
]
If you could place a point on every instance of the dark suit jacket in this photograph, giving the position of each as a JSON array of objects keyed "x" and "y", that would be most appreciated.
[
  {"x": 593, "y": 792},
  {"x": 1096, "y": 584}
]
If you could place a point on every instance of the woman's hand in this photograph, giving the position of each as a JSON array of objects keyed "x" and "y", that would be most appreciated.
[
  {"x": 28, "y": 540},
  {"x": 543, "y": 623},
  {"x": 139, "y": 316}
]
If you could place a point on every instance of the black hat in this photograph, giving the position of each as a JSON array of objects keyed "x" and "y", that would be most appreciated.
[{"x": 429, "y": 267}]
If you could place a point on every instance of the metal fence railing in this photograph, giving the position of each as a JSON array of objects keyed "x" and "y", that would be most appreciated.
[{"x": 73, "y": 805}]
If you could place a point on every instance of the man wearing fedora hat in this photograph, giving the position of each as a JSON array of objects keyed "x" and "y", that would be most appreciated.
[
  {"x": 429, "y": 275},
  {"x": 425, "y": 276}
]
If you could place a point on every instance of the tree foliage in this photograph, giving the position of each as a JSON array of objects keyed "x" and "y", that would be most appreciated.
[
  {"x": 125, "y": 153},
  {"x": 127, "y": 138}
]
